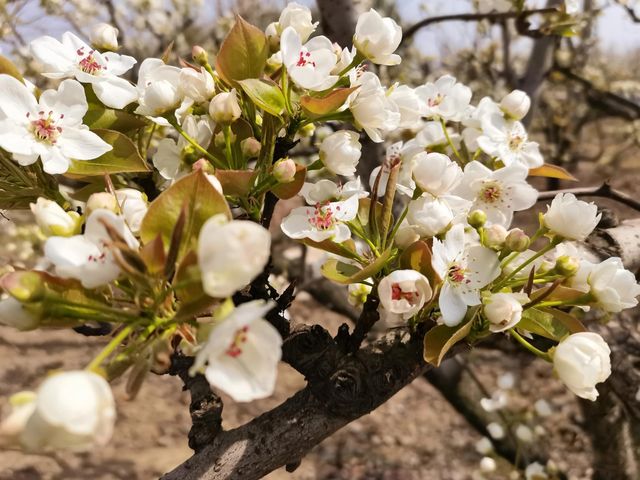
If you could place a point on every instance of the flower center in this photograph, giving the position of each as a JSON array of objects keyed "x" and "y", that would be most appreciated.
[
  {"x": 491, "y": 193},
  {"x": 239, "y": 339},
  {"x": 321, "y": 217},
  {"x": 435, "y": 101},
  {"x": 397, "y": 294},
  {"x": 45, "y": 128},
  {"x": 88, "y": 63},
  {"x": 97, "y": 258},
  {"x": 515, "y": 142},
  {"x": 304, "y": 59},
  {"x": 456, "y": 273}
]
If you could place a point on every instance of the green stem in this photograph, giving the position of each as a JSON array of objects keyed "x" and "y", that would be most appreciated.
[
  {"x": 528, "y": 346},
  {"x": 446, "y": 135},
  {"x": 227, "y": 145},
  {"x": 109, "y": 349},
  {"x": 195, "y": 144},
  {"x": 394, "y": 231},
  {"x": 524, "y": 265}
]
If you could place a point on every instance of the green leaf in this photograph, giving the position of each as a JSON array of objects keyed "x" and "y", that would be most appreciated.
[
  {"x": 202, "y": 201},
  {"x": 243, "y": 54},
  {"x": 124, "y": 158},
  {"x": 542, "y": 323},
  {"x": 344, "y": 249},
  {"x": 7, "y": 67},
  {"x": 439, "y": 340},
  {"x": 101, "y": 117},
  {"x": 570, "y": 322},
  {"x": 266, "y": 94},
  {"x": 318, "y": 106},
  {"x": 346, "y": 273}
]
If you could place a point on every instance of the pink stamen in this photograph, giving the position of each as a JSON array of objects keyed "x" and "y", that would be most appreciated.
[
  {"x": 45, "y": 128},
  {"x": 240, "y": 338},
  {"x": 397, "y": 294}
]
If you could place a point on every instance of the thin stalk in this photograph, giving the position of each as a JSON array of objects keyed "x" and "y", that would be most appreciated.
[
  {"x": 110, "y": 348},
  {"x": 196, "y": 145},
  {"x": 528, "y": 346},
  {"x": 446, "y": 135}
]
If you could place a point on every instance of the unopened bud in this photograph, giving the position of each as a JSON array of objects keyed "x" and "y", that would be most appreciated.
[
  {"x": 224, "y": 107},
  {"x": 284, "y": 170},
  {"x": 494, "y": 236},
  {"x": 250, "y": 147},
  {"x": 406, "y": 236},
  {"x": 204, "y": 165},
  {"x": 199, "y": 55},
  {"x": 516, "y": 104},
  {"x": 567, "y": 265},
  {"x": 477, "y": 218},
  {"x": 24, "y": 286},
  {"x": 517, "y": 240},
  {"x": 307, "y": 131},
  {"x": 545, "y": 266},
  {"x": 104, "y": 37},
  {"x": 102, "y": 200}
]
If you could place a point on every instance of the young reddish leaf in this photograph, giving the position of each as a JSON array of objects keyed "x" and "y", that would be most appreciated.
[
  {"x": 124, "y": 158},
  {"x": 285, "y": 191},
  {"x": 439, "y": 340},
  {"x": 318, "y": 106},
  {"x": 266, "y": 94},
  {"x": 202, "y": 201},
  {"x": 243, "y": 53},
  {"x": 551, "y": 171},
  {"x": 236, "y": 182},
  {"x": 154, "y": 256},
  {"x": 417, "y": 256}
]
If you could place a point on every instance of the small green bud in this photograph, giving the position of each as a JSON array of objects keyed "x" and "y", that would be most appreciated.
[
  {"x": 250, "y": 147},
  {"x": 102, "y": 200},
  {"x": 24, "y": 286},
  {"x": 199, "y": 55},
  {"x": 567, "y": 265},
  {"x": 477, "y": 218},
  {"x": 494, "y": 236},
  {"x": 517, "y": 240}
]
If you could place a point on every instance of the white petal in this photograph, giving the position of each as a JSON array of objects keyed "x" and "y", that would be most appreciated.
[
  {"x": 69, "y": 100},
  {"x": 81, "y": 144},
  {"x": 54, "y": 161},
  {"x": 16, "y": 101},
  {"x": 56, "y": 57},
  {"x": 118, "y": 64},
  {"x": 452, "y": 306},
  {"x": 115, "y": 92}
]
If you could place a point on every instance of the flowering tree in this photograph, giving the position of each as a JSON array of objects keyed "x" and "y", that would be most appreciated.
[{"x": 156, "y": 198}]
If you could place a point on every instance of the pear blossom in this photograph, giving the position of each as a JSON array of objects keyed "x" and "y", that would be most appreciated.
[
  {"x": 224, "y": 108},
  {"x": 321, "y": 222},
  {"x": 431, "y": 216},
  {"x": 104, "y": 37},
  {"x": 242, "y": 353},
  {"x": 498, "y": 193},
  {"x": 340, "y": 152},
  {"x": 358, "y": 293},
  {"x": 325, "y": 190},
  {"x": 495, "y": 236},
  {"x": 446, "y": 98},
  {"x": 429, "y": 137},
  {"x": 404, "y": 292},
  {"x": 295, "y": 16},
  {"x": 88, "y": 257},
  {"x": 504, "y": 310},
  {"x": 614, "y": 287},
  {"x": 581, "y": 361},
  {"x": 464, "y": 269},
  {"x": 73, "y": 58},
  {"x": 133, "y": 205},
  {"x": 53, "y": 219},
  {"x": 168, "y": 157},
  {"x": 516, "y": 104},
  {"x": 284, "y": 170},
  {"x": 308, "y": 65},
  {"x": 73, "y": 410},
  {"x": 508, "y": 141},
  {"x": 158, "y": 89},
  {"x": 196, "y": 85},
  {"x": 435, "y": 173},
  {"x": 473, "y": 121},
  {"x": 377, "y": 38},
  {"x": 571, "y": 218},
  {"x": 409, "y": 105},
  {"x": 49, "y": 128},
  {"x": 231, "y": 254},
  {"x": 14, "y": 314},
  {"x": 372, "y": 109}
]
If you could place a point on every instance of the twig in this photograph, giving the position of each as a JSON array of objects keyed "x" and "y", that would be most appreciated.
[{"x": 604, "y": 191}]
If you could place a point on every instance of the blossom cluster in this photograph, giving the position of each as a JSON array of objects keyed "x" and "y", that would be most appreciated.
[{"x": 155, "y": 221}]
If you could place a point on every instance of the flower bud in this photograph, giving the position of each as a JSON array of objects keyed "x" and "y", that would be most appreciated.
[
  {"x": 340, "y": 152},
  {"x": 104, "y": 37},
  {"x": 477, "y": 218},
  {"x": 102, "y": 200},
  {"x": 581, "y": 361},
  {"x": 284, "y": 170},
  {"x": 53, "y": 220},
  {"x": 14, "y": 314},
  {"x": 133, "y": 205},
  {"x": 516, "y": 104},
  {"x": 517, "y": 240},
  {"x": 250, "y": 147},
  {"x": 73, "y": 410},
  {"x": 24, "y": 286},
  {"x": 495, "y": 236},
  {"x": 571, "y": 218},
  {"x": 504, "y": 310},
  {"x": 358, "y": 293},
  {"x": 405, "y": 236},
  {"x": 224, "y": 107},
  {"x": 567, "y": 265},
  {"x": 404, "y": 292},
  {"x": 199, "y": 55},
  {"x": 377, "y": 38}
]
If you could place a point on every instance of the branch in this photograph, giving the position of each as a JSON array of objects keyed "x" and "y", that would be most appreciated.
[
  {"x": 341, "y": 389},
  {"x": 605, "y": 191},
  {"x": 472, "y": 17}
]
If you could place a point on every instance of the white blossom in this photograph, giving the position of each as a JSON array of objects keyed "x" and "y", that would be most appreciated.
[
  {"x": 133, "y": 205},
  {"x": 53, "y": 219},
  {"x": 224, "y": 108},
  {"x": 340, "y": 152},
  {"x": 435, "y": 173},
  {"x": 158, "y": 89},
  {"x": 309, "y": 65},
  {"x": 445, "y": 98},
  {"x": 372, "y": 109},
  {"x": 297, "y": 17},
  {"x": 571, "y": 218},
  {"x": 404, "y": 292},
  {"x": 508, "y": 141},
  {"x": 14, "y": 314},
  {"x": 377, "y": 38},
  {"x": 504, "y": 310},
  {"x": 325, "y": 190},
  {"x": 104, "y": 37},
  {"x": 516, "y": 104}
]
